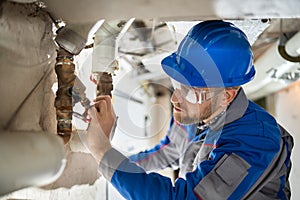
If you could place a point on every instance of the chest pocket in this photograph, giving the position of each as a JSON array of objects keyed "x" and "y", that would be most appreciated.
[{"x": 224, "y": 178}]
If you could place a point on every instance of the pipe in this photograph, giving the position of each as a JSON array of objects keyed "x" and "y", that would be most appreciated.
[
  {"x": 269, "y": 63},
  {"x": 29, "y": 159},
  {"x": 104, "y": 83},
  {"x": 71, "y": 39},
  {"x": 281, "y": 47},
  {"x": 105, "y": 53},
  {"x": 64, "y": 69}
]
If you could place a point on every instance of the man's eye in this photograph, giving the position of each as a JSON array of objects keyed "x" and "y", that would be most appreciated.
[{"x": 184, "y": 90}]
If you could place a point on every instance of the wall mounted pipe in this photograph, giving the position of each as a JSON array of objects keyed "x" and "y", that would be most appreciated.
[{"x": 29, "y": 159}]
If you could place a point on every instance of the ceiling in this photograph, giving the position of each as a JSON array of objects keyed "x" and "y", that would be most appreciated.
[
  {"x": 90, "y": 10},
  {"x": 160, "y": 25}
]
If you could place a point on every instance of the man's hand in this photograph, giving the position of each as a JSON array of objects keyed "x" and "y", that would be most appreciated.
[{"x": 102, "y": 121}]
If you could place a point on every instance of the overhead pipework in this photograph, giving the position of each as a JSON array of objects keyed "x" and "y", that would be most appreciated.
[
  {"x": 70, "y": 91},
  {"x": 64, "y": 69},
  {"x": 282, "y": 48},
  {"x": 279, "y": 65},
  {"x": 105, "y": 53},
  {"x": 71, "y": 39},
  {"x": 29, "y": 159}
]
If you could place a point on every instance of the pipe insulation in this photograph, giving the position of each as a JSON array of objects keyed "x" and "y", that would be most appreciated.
[
  {"x": 282, "y": 51},
  {"x": 105, "y": 53},
  {"x": 105, "y": 50},
  {"x": 29, "y": 159},
  {"x": 271, "y": 61}
]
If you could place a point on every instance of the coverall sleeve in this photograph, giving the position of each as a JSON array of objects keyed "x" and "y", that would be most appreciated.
[
  {"x": 163, "y": 155},
  {"x": 231, "y": 170},
  {"x": 166, "y": 153}
]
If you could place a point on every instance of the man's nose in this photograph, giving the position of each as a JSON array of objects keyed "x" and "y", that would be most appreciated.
[{"x": 176, "y": 97}]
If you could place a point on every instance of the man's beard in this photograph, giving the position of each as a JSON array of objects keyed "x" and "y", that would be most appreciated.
[{"x": 194, "y": 116}]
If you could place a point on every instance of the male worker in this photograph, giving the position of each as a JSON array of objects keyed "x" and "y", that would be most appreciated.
[{"x": 226, "y": 146}]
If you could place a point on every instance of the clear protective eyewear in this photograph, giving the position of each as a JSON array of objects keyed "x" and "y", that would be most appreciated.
[{"x": 195, "y": 95}]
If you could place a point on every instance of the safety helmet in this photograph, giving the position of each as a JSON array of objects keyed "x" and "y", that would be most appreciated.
[{"x": 213, "y": 54}]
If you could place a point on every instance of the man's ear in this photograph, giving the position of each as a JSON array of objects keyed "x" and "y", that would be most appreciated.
[{"x": 230, "y": 94}]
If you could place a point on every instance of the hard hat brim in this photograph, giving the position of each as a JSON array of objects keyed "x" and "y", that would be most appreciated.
[{"x": 179, "y": 73}]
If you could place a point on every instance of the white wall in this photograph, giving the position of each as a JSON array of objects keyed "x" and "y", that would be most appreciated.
[{"x": 287, "y": 112}]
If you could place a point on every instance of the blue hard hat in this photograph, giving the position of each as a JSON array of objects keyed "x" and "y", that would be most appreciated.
[{"x": 213, "y": 54}]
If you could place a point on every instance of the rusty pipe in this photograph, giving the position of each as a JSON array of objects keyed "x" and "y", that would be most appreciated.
[
  {"x": 64, "y": 69},
  {"x": 104, "y": 83}
]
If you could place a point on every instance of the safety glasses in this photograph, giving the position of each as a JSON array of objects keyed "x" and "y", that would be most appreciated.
[{"x": 195, "y": 95}]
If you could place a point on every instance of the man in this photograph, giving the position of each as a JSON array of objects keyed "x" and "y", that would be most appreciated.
[{"x": 226, "y": 146}]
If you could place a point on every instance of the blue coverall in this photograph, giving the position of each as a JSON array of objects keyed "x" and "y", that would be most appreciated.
[{"x": 242, "y": 154}]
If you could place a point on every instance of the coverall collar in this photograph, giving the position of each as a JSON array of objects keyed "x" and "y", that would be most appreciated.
[{"x": 234, "y": 111}]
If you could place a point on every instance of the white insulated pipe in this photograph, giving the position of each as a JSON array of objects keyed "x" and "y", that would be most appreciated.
[
  {"x": 262, "y": 83},
  {"x": 105, "y": 52},
  {"x": 293, "y": 45},
  {"x": 29, "y": 159}
]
